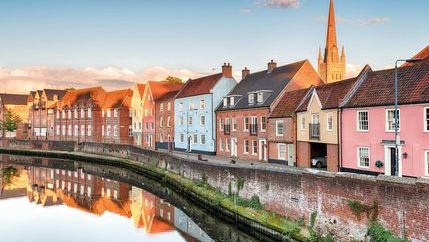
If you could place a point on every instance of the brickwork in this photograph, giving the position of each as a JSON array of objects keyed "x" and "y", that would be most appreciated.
[
  {"x": 303, "y": 154},
  {"x": 332, "y": 157},
  {"x": 285, "y": 139},
  {"x": 164, "y": 132}
]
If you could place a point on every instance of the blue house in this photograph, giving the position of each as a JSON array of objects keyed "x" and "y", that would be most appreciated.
[{"x": 194, "y": 111}]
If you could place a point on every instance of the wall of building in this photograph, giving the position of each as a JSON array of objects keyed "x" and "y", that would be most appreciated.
[
  {"x": 136, "y": 110},
  {"x": 287, "y": 139},
  {"x": 412, "y": 133},
  {"x": 165, "y": 134}
]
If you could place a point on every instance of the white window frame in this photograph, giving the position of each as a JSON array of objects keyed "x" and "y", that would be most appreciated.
[
  {"x": 76, "y": 115},
  {"x": 115, "y": 130},
  {"x": 387, "y": 121},
  {"x": 425, "y": 119},
  {"x": 63, "y": 131},
  {"x": 76, "y": 130},
  {"x": 359, "y": 121},
  {"x": 202, "y": 120},
  {"x": 231, "y": 101},
  {"x": 70, "y": 130},
  {"x": 108, "y": 113},
  {"x": 225, "y": 101},
  {"x": 82, "y": 113},
  {"x": 180, "y": 107},
  {"x": 244, "y": 146},
  {"x": 220, "y": 124},
  {"x": 426, "y": 162},
  {"x": 195, "y": 139},
  {"x": 266, "y": 123},
  {"x": 201, "y": 139},
  {"x": 168, "y": 106},
  {"x": 168, "y": 121},
  {"x": 278, "y": 151},
  {"x": 246, "y": 129},
  {"x": 251, "y": 98},
  {"x": 89, "y": 130},
  {"x": 89, "y": 110},
  {"x": 161, "y": 107},
  {"x": 277, "y": 128},
  {"x": 82, "y": 129},
  {"x": 359, "y": 158},
  {"x": 233, "y": 124},
  {"x": 220, "y": 144},
  {"x": 302, "y": 122},
  {"x": 260, "y": 97},
  {"x": 161, "y": 121},
  {"x": 331, "y": 116},
  {"x": 69, "y": 116},
  {"x": 202, "y": 104},
  {"x": 253, "y": 147},
  {"x": 182, "y": 138},
  {"x": 115, "y": 112}
]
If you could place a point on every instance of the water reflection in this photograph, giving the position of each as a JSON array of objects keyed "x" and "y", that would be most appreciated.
[{"x": 56, "y": 183}]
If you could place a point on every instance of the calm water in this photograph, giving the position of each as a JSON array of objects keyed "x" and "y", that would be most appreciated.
[{"x": 58, "y": 200}]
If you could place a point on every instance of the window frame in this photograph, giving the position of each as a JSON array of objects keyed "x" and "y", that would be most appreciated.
[
  {"x": 387, "y": 121},
  {"x": 201, "y": 139},
  {"x": 277, "y": 128},
  {"x": 426, "y": 162},
  {"x": 246, "y": 145},
  {"x": 263, "y": 129},
  {"x": 253, "y": 147},
  {"x": 425, "y": 119},
  {"x": 246, "y": 126},
  {"x": 302, "y": 122},
  {"x": 202, "y": 117},
  {"x": 278, "y": 151},
  {"x": 330, "y": 115},
  {"x": 251, "y": 98},
  {"x": 358, "y": 128},
  {"x": 359, "y": 157}
]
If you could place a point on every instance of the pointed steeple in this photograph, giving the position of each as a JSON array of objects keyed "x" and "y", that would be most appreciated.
[
  {"x": 343, "y": 55},
  {"x": 331, "y": 50}
]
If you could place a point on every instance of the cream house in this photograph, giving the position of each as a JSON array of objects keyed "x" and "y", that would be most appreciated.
[{"x": 137, "y": 113}]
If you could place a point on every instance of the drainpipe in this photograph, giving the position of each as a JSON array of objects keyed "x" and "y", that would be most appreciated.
[
  {"x": 213, "y": 126},
  {"x": 339, "y": 138}
]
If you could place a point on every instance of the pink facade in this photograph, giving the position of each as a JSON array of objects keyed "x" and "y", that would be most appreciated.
[{"x": 379, "y": 142}]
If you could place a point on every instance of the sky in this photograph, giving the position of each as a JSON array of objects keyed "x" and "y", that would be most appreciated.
[{"x": 52, "y": 43}]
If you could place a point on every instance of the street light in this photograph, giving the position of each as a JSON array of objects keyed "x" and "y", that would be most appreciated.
[{"x": 395, "y": 115}]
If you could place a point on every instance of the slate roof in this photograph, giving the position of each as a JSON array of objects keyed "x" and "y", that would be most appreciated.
[
  {"x": 289, "y": 103},
  {"x": 377, "y": 89},
  {"x": 330, "y": 95},
  {"x": 158, "y": 89},
  {"x": 51, "y": 92},
  {"x": 199, "y": 86},
  {"x": 14, "y": 99},
  {"x": 274, "y": 81}
]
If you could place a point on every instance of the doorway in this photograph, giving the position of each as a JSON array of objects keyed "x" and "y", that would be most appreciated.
[
  {"x": 263, "y": 150},
  {"x": 233, "y": 147}
]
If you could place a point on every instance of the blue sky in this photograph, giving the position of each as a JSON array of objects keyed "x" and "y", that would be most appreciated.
[{"x": 201, "y": 35}]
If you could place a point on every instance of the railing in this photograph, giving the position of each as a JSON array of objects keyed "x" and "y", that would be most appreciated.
[
  {"x": 315, "y": 131},
  {"x": 227, "y": 128},
  {"x": 254, "y": 129}
]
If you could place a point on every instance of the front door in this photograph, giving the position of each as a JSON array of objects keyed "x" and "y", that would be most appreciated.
[
  {"x": 263, "y": 150},
  {"x": 234, "y": 147},
  {"x": 393, "y": 163},
  {"x": 290, "y": 151}
]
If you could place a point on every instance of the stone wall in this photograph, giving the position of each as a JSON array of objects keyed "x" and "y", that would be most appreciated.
[
  {"x": 402, "y": 203},
  {"x": 39, "y": 144}
]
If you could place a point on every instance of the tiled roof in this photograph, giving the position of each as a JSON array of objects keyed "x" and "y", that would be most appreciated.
[
  {"x": 423, "y": 54},
  {"x": 141, "y": 87},
  {"x": 168, "y": 96},
  {"x": 377, "y": 89},
  {"x": 330, "y": 95},
  {"x": 274, "y": 81},
  {"x": 158, "y": 89},
  {"x": 289, "y": 103},
  {"x": 97, "y": 94},
  {"x": 118, "y": 98},
  {"x": 199, "y": 86},
  {"x": 14, "y": 99}
]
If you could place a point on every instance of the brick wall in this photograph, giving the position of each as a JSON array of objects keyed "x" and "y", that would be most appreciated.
[
  {"x": 304, "y": 154},
  {"x": 332, "y": 157},
  {"x": 288, "y": 137}
]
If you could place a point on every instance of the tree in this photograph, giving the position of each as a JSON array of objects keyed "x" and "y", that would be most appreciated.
[
  {"x": 10, "y": 121},
  {"x": 173, "y": 80}
]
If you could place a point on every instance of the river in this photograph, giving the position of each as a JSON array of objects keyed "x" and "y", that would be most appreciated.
[{"x": 61, "y": 200}]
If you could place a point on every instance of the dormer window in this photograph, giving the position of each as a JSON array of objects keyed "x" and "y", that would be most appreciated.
[
  {"x": 225, "y": 102},
  {"x": 231, "y": 101},
  {"x": 260, "y": 97},
  {"x": 251, "y": 98}
]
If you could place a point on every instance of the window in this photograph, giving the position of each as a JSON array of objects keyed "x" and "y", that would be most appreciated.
[
  {"x": 82, "y": 130},
  {"x": 282, "y": 151},
  {"x": 220, "y": 124},
  {"x": 115, "y": 113},
  {"x": 180, "y": 106},
  {"x": 102, "y": 130},
  {"x": 260, "y": 97},
  {"x": 231, "y": 101},
  {"x": 302, "y": 123},
  {"x": 227, "y": 145},
  {"x": 363, "y": 124},
  {"x": 190, "y": 120},
  {"x": 363, "y": 157},
  {"x": 202, "y": 104},
  {"x": 390, "y": 120},
  {"x": 58, "y": 114},
  {"x": 58, "y": 129},
  {"x": 225, "y": 102},
  {"x": 63, "y": 114},
  {"x": 254, "y": 147},
  {"x": 227, "y": 127},
  {"x": 82, "y": 113},
  {"x": 254, "y": 126},
  {"x": 63, "y": 132},
  {"x": 168, "y": 106},
  {"x": 115, "y": 130},
  {"x": 220, "y": 144},
  {"x": 161, "y": 122},
  {"x": 203, "y": 139},
  {"x": 75, "y": 113},
  {"x": 202, "y": 120},
  {"x": 180, "y": 121},
  {"x": 161, "y": 107},
  {"x": 246, "y": 147},
  {"x": 168, "y": 121},
  {"x": 427, "y": 162},
  {"x": 69, "y": 114},
  {"x": 234, "y": 124},
  {"x": 182, "y": 138},
  {"x": 89, "y": 132},
  {"x": 89, "y": 113},
  {"x": 70, "y": 130},
  {"x": 329, "y": 122},
  {"x": 108, "y": 130},
  {"x": 246, "y": 124},
  {"x": 279, "y": 128},
  {"x": 426, "y": 119},
  {"x": 263, "y": 123},
  {"x": 195, "y": 138},
  {"x": 108, "y": 113},
  {"x": 251, "y": 97},
  {"x": 191, "y": 106},
  {"x": 76, "y": 130}
]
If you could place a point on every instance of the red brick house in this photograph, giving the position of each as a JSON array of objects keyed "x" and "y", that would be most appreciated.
[
  {"x": 154, "y": 91},
  {"x": 242, "y": 118},
  {"x": 282, "y": 128},
  {"x": 41, "y": 104}
]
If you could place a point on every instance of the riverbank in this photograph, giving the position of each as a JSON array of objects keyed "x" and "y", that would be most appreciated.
[
  {"x": 338, "y": 205},
  {"x": 247, "y": 214}
]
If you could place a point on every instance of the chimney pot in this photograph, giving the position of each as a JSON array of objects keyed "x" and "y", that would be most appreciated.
[
  {"x": 271, "y": 66},
  {"x": 244, "y": 73},
  {"x": 227, "y": 70}
]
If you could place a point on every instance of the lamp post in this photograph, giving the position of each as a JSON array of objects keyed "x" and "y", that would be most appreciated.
[{"x": 396, "y": 114}]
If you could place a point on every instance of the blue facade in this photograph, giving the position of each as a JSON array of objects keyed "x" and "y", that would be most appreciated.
[{"x": 195, "y": 120}]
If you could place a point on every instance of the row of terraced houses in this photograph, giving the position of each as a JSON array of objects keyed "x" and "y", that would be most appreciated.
[{"x": 289, "y": 114}]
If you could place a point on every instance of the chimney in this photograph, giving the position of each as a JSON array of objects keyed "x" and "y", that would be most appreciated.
[
  {"x": 227, "y": 70},
  {"x": 271, "y": 66},
  {"x": 245, "y": 72}
]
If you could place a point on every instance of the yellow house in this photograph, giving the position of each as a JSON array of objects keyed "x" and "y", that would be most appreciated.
[
  {"x": 136, "y": 110},
  {"x": 318, "y": 125}
]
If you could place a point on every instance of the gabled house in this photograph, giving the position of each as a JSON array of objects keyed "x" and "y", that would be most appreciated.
[
  {"x": 194, "y": 111},
  {"x": 242, "y": 117},
  {"x": 136, "y": 110},
  {"x": 153, "y": 91},
  {"x": 282, "y": 128},
  {"x": 368, "y": 137},
  {"x": 17, "y": 104},
  {"x": 41, "y": 104},
  {"x": 317, "y": 125}
]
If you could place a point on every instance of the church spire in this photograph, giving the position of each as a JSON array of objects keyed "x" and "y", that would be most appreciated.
[{"x": 331, "y": 50}]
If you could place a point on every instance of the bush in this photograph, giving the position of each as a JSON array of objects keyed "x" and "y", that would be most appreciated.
[{"x": 377, "y": 233}]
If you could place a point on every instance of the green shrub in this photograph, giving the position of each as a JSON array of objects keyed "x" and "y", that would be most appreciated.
[{"x": 377, "y": 233}]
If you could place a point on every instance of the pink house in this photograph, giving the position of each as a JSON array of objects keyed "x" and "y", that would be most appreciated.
[{"x": 367, "y": 125}]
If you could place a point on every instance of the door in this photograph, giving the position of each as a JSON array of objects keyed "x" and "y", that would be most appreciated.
[
  {"x": 263, "y": 150},
  {"x": 393, "y": 163},
  {"x": 290, "y": 152},
  {"x": 234, "y": 147}
]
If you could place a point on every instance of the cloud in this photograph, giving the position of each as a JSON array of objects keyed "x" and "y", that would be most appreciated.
[
  {"x": 374, "y": 21},
  {"x": 357, "y": 22},
  {"x": 352, "y": 70},
  {"x": 245, "y": 10},
  {"x": 26, "y": 79},
  {"x": 280, "y": 3}
]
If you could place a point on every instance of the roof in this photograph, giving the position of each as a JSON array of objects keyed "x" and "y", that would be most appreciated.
[
  {"x": 423, "y": 54},
  {"x": 14, "y": 99},
  {"x": 168, "y": 96},
  {"x": 289, "y": 103},
  {"x": 199, "y": 86},
  {"x": 97, "y": 94},
  {"x": 140, "y": 88},
  {"x": 330, "y": 95},
  {"x": 377, "y": 89},
  {"x": 158, "y": 89},
  {"x": 274, "y": 81},
  {"x": 51, "y": 92},
  {"x": 118, "y": 98}
]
